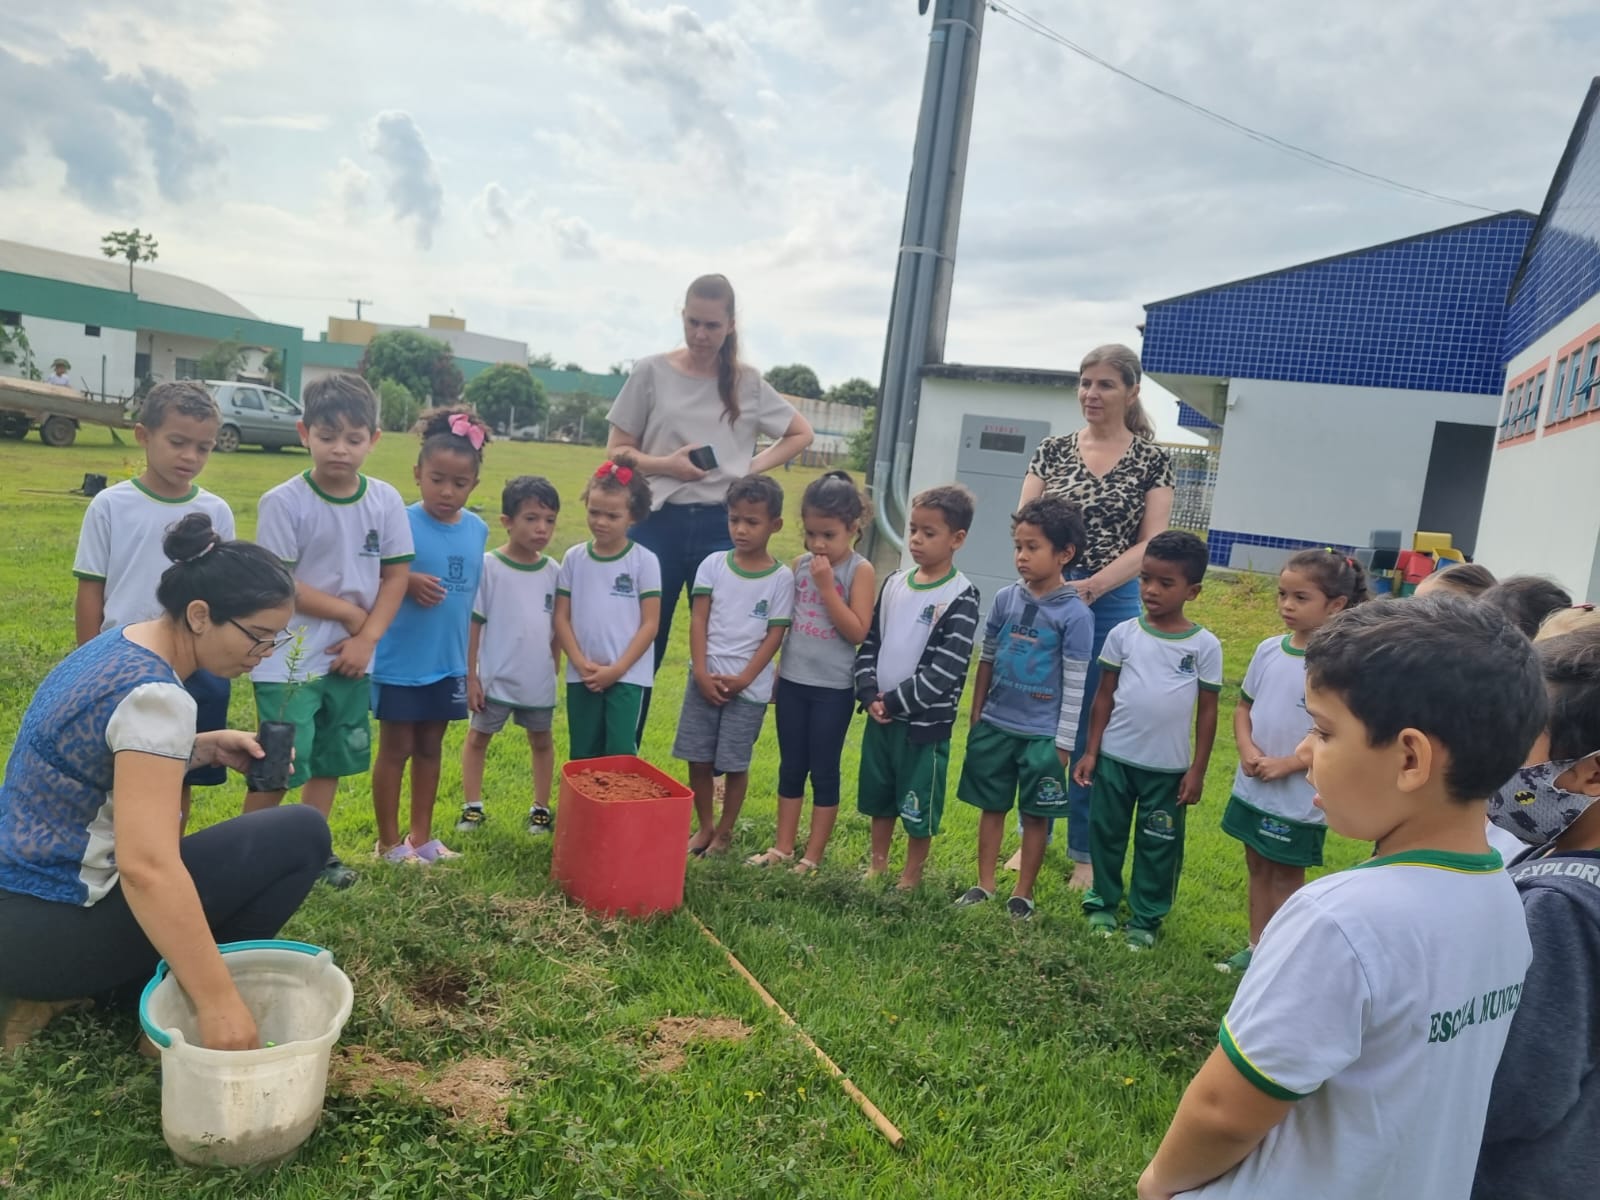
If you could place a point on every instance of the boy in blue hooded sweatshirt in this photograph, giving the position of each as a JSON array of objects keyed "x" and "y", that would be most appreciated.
[
  {"x": 1025, "y": 706},
  {"x": 1156, "y": 670}
]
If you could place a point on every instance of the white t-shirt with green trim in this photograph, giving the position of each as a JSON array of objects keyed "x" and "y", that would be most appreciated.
[
  {"x": 907, "y": 613},
  {"x": 336, "y": 544},
  {"x": 744, "y": 606},
  {"x": 1379, "y": 1001},
  {"x": 1159, "y": 680},
  {"x": 516, "y": 606},
  {"x": 120, "y": 543},
  {"x": 1275, "y": 685},
  {"x": 605, "y": 596}
]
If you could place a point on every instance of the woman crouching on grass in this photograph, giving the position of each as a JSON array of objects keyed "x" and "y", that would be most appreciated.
[{"x": 96, "y": 883}]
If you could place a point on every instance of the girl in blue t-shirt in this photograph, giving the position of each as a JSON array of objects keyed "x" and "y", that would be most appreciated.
[{"x": 419, "y": 673}]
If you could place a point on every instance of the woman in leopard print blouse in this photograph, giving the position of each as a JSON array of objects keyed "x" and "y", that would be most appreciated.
[{"x": 1123, "y": 483}]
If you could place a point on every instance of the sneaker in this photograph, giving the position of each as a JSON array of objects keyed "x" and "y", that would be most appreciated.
[
  {"x": 430, "y": 852},
  {"x": 973, "y": 895},
  {"x": 472, "y": 817},
  {"x": 1238, "y": 964},
  {"x": 336, "y": 875},
  {"x": 1103, "y": 923},
  {"x": 1140, "y": 939},
  {"x": 1020, "y": 907},
  {"x": 540, "y": 820}
]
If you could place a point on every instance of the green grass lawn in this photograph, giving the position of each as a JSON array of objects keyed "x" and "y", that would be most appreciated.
[{"x": 1018, "y": 1059}]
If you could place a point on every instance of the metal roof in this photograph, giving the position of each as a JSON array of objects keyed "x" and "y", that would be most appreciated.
[{"x": 156, "y": 287}]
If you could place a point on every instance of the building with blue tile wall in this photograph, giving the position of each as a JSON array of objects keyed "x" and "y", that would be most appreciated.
[
  {"x": 1541, "y": 508},
  {"x": 1365, "y": 354}
]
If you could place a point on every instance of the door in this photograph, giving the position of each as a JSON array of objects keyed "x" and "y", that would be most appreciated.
[
  {"x": 1452, "y": 493},
  {"x": 255, "y": 425},
  {"x": 285, "y": 417}
]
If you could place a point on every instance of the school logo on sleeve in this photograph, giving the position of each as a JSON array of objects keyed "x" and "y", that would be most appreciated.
[
  {"x": 371, "y": 545},
  {"x": 622, "y": 585},
  {"x": 760, "y": 610}
]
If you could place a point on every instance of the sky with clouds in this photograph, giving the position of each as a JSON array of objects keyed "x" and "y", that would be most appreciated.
[{"x": 557, "y": 170}]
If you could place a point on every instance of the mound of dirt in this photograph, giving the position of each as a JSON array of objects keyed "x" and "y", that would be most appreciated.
[
  {"x": 672, "y": 1035},
  {"x": 617, "y": 785},
  {"x": 473, "y": 1091}
]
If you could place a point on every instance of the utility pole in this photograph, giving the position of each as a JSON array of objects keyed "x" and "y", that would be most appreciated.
[
  {"x": 919, "y": 312},
  {"x": 358, "y": 304}
]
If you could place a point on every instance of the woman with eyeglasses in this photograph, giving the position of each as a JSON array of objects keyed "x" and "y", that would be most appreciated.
[{"x": 96, "y": 880}]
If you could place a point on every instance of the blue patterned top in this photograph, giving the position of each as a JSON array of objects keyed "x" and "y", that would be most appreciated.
[{"x": 56, "y": 810}]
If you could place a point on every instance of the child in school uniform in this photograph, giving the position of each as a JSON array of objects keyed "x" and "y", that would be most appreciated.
[
  {"x": 608, "y": 604},
  {"x": 420, "y": 671},
  {"x": 1156, "y": 670},
  {"x": 909, "y": 674},
  {"x": 347, "y": 541},
  {"x": 743, "y": 600},
  {"x": 1027, "y": 699},
  {"x": 1356, "y": 1059},
  {"x": 512, "y": 657},
  {"x": 120, "y": 560}
]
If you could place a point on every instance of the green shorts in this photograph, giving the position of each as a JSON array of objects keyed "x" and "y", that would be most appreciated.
[
  {"x": 1277, "y": 839},
  {"x": 1001, "y": 768},
  {"x": 902, "y": 779},
  {"x": 600, "y": 724},
  {"x": 332, "y": 722}
]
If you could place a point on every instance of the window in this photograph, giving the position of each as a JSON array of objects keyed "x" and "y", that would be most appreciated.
[
  {"x": 186, "y": 368},
  {"x": 7, "y": 317},
  {"x": 1584, "y": 398},
  {"x": 279, "y": 403},
  {"x": 1508, "y": 424},
  {"x": 1536, "y": 400},
  {"x": 247, "y": 398},
  {"x": 1556, "y": 393},
  {"x": 91, "y": 331}
]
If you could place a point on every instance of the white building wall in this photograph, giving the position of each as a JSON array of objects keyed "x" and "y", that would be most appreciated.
[
  {"x": 165, "y": 349},
  {"x": 1541, "y": 510},
  {"x": 111, "y": 348},
  {"x": 946, "y": 401},
  {"x": 1323, "y": 462}
]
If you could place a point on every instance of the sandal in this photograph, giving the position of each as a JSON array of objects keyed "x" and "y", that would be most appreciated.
[
  {"x": 719, "y": 846},
  {"x": 806, "y": 867},
  {"x": 769, "y": 858}
]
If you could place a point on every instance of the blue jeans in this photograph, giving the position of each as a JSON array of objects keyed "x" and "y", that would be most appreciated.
[
  {"x": 1116, "y": 606},
  {"x": 680, "y": 536}
]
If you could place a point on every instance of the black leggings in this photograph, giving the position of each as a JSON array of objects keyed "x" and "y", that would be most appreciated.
[
  {"x": 813, "y": 723},
  {"x": 251, "y": 872}
]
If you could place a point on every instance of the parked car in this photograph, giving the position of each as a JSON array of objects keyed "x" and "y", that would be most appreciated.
[{"x": 254, "y": 415}]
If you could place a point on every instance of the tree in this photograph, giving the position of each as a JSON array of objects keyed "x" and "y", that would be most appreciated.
[
  {"x": 16, "y": 351},
  {"x": 424, "y": 365},
  {"x": 578, "y": 417},
  {"x": 222, "y": 361},
  {"x": 857, "y": 393},
  {"x": 796, "y": 379},
  {"x": 398, "y": 409},
  {"x": 572, "y": 366},
  {"x": 272, "y": 366},
  {"x": 546, "y": 361},
  {"x": 131, "y": 244},
  {"x": 508, "y": 396},
  {"x": 620, "y": 368},
  {"x": 861, "y": 441}
]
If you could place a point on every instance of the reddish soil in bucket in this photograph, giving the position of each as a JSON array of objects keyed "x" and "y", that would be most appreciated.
[{"x": 617, "y": 785}]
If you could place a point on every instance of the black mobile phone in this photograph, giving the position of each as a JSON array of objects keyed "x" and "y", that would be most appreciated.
[{"x": 704, "y": 457}]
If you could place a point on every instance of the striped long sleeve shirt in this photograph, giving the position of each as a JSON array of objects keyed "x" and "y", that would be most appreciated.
[{"x": 917, "y": 651}]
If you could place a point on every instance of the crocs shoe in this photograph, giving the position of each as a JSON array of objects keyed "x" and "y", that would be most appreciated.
[
  {"x": 472, "y": 817},
  {"x": 336, "y": 875},
  {"x": 432, "y": 851},
  {"x": 1020, "y": 907},
  {"x": 973, "y": 895},
  {"x": 398, "y": 855},
  {"x": 1103, "y": 923},
  {"x": 1139, "y": 939}
]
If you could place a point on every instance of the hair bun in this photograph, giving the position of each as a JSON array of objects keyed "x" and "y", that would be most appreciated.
[{"x": 191, "y": 538}]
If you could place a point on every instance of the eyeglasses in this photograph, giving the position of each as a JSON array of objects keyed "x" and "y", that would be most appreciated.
[{"x": 261, "y": 645}]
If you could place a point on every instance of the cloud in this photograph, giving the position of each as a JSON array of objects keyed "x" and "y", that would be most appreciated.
[
  {"x": 494, "y": 208},
  {"x": 350, "y": 184},
  {"x": 93, "y": 120},
  {"x": 413, "y": 185},
  {"x": 574, "y": 237},
  {"x": 670, "y": 53},
  {"x": 295, "y": 122}
]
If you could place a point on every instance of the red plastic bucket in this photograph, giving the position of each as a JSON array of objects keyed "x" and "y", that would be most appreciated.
[{"x": 622, "y": 856}]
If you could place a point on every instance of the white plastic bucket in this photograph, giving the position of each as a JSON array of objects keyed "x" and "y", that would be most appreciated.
[{"x": 241, "y": 1108}]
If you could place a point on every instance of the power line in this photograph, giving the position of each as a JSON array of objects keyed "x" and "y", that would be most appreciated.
[{"x": 1034, "y": 25}]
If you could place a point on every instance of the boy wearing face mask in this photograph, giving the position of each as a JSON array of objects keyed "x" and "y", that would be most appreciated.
[{"x": 1544, "y": 1109}]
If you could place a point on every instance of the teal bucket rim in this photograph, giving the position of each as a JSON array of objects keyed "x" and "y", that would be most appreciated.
[{"x": 159, "y": 1036}]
